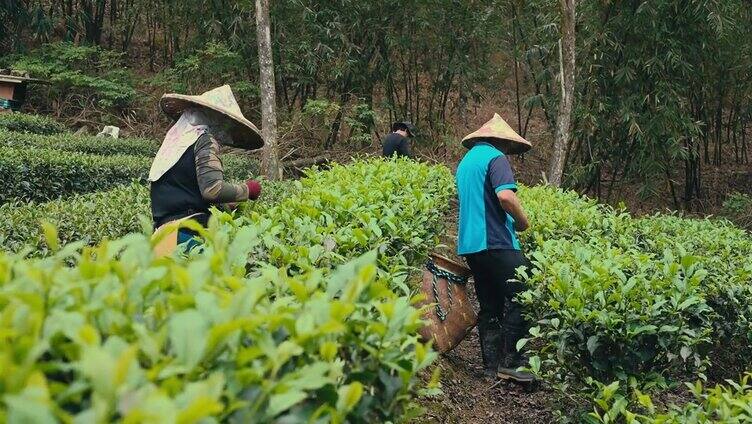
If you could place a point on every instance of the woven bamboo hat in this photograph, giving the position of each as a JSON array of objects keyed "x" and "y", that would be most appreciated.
[
  {"x": 244, "y": 134},
  {"x": 498, "y": 132}
]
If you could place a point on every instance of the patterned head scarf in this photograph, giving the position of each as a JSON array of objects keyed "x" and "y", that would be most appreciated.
[{"x": 191, "y": 125}]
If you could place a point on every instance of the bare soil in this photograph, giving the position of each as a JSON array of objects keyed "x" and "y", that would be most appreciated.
[{"x": 471, "y": 397}]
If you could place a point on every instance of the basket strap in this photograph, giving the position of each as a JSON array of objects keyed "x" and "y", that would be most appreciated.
[{"x": 451, "y": 278}]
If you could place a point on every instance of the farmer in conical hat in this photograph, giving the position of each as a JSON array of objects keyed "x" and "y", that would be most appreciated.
[
  {"x": 490, "y": 216},
  {"x": 397, "y": 142},
  {"x": 186, "y": 176}
]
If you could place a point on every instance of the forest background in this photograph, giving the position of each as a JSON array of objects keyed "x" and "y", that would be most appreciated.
[{"x": 662, "y": 98}]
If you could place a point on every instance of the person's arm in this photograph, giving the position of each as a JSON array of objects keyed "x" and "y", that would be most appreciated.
[
  {"x": 210, "y": 175},
  {"x": 511, "y": 205},
  {"x": 502, "y": 179}
]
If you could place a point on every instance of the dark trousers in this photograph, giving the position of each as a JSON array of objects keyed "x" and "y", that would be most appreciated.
[{"x": 500, "y": 320}]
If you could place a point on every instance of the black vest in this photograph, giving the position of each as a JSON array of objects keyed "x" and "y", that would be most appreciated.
[{"x": 176, "y": 194}]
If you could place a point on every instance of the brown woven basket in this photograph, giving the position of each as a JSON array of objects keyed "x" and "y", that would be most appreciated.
[{"x": 451, "y": 315}]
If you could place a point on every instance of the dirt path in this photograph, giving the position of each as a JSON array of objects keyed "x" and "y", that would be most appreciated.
[{"x": 470, "y": 397}]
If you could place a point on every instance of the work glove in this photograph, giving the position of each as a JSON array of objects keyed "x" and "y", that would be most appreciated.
[{"x": 254, "y": 189}]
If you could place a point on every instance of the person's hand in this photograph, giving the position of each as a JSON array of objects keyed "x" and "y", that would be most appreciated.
[
  {"x": 232, "y": 206},
  {"x": 254, "y": 189},
  {"x": 521, "y": 225}
]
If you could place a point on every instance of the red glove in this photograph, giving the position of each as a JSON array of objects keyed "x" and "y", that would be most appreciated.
[{"x": 254, "y": 189}]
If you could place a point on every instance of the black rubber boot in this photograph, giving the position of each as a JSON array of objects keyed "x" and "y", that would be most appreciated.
[
  {"x": 508, "y": 370},
  {"x": 512, "y": 359},
  {"x": 490, "y": 346}
]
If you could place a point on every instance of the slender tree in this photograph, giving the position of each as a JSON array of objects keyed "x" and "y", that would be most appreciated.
[
  {"x": 271, "y": 165},
  {"x": 566, "y": 69}
]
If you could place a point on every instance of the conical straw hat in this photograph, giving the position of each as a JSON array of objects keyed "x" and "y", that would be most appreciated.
[
  {"x": 244, "y": 134},
  {"x": 498, "y": 131}
]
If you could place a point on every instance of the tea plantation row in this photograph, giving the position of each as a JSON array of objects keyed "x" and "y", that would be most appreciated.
[
  {"x": 640, "y": 302},
  {"x": 45, "y": 167},
  {"x": 623, "y": 308},
  {"x": 614, "y": 298},
  {"x": 24, "y": 123},
  {"x": 296, "y": 311}
]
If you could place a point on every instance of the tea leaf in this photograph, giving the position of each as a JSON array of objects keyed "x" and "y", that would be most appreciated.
[
  {"x": 349, "y": 396},
  {"x": 188, "y": 336}
]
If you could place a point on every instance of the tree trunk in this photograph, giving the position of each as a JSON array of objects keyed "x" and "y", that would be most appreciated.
[
  {"x": 270, "y": 164},
  {"x": 567, "y": 69}
]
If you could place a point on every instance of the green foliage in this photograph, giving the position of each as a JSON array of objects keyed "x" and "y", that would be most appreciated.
[
  {"x": 320, "y": 116},
  {"x": 723, "y": 251},
  {"x": 319, "y": 221},
  {"x": 34, "y": 167},
  {"x": 724, "y": 403},
  {"x": 632, "y": 300},
  {"x": 113, "y": 334},
  {"x": 44, "y": 174},
  {"x": 650, "y": 105},
  {"x": 729, "y": 403},
  {"x": 610, "y": 313},
  {"x": 30, "y": 124},
  {"x": 337, "y": 214},
  {"x": 90, "y": 218},
  {"x": 81, "y": 144},
  {"x": 225, "y": 333},
  {"x": 81, "y": 76},
  {"x": 557, "y": 214},
  {"x": 738, "y": 208},
  {"x": 361, "y": 120},
  {"x": 94, "y": 217},
  {"x": 321, "y": 111},
  {"x": 240, "y": 167},
  {"x": 737, "y": 203},
  {"x": 210, "y": 66}
]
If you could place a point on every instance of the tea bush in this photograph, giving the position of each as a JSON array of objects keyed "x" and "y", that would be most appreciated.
[
  {"x": 723, "y": 403},
  {"x": 113, "y": 334},
  {"x": 318, "y": 221},
  {"x": 237, "y": 166},
  {"x": 606, "y": 313},
  {"x": 729, "y": 403},
  {"x": 240, "y": 167},
  {"x": 557, "y": 214},
  {"x": 44, "y": 174},
  {"x": 30, "y": 124},
  {"x": 723, "y": 250},
  {"x": 90, "y": 218},
  {"x": 737, "y": 203},
  {"x": 639, "y": 301},
  {"x": 337, "y": 214},
  {"x": 81, "y": 144},
  {"x": 33, "y": 174}
]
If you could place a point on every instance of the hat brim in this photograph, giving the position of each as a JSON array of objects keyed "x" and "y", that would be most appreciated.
[
  {"x": 507, "y": 145},
  {"x": 244, "y": 134}
]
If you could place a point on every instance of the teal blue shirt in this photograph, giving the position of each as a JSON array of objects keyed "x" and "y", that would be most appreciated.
[{"x": 483, "y": 224}]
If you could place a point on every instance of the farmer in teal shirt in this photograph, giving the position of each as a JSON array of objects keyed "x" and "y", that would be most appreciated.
[{"x": 490, "y": 216}]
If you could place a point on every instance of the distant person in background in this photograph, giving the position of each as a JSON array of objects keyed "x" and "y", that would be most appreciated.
[
  {"x": 397, "y": 142},
  {"x": 186, "y": 176},
  {"x": 490, "y": 216}
]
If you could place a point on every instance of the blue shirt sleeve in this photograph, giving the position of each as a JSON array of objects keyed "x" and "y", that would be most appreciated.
[{"x": 501, "y": 175}]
